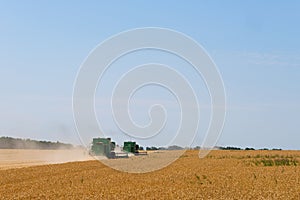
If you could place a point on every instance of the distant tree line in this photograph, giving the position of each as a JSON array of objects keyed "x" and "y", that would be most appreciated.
[
  {"x": 230, "y": 148},
  {"x": 17, "y": 143},
  {"x": 247, "y": 148},
  {"x": 175, "y": 147}
]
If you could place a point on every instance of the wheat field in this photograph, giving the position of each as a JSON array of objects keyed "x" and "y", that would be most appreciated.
[{"x": 221, "y": 175}]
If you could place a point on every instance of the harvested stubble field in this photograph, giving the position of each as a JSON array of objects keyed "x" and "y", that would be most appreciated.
[{"x": 221, "y": 175}]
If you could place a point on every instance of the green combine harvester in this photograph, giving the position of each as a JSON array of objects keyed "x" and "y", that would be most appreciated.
[
  {"x": 103, "y": 147},
  {"x": 132, "y": 147}
]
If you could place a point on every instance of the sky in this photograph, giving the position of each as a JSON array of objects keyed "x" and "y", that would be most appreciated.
[{"x": 255, "y": 45}]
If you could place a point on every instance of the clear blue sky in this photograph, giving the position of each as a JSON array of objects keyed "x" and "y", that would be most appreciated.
[{"x": 255, "y": 44}]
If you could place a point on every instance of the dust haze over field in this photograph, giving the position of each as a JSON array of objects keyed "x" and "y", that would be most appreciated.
[{"x": 16, "y": 158}]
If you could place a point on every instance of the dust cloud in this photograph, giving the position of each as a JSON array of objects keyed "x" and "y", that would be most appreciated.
[{"x": 16, "y": 158}]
